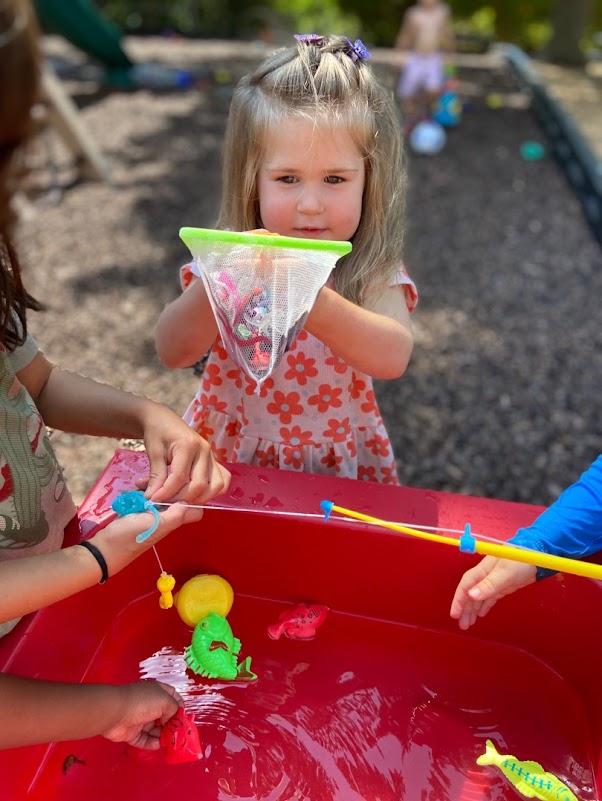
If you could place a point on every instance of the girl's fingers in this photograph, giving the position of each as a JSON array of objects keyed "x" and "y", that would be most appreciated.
[
  {"x": 194, "y": 482},
  {"x": 142, "y": 482},
  {"x": 157, "y": 468},
  {"x": 171, "y": 489},
  {"x": 207, "y": 482},
  {"x": 198, "y": 487}
]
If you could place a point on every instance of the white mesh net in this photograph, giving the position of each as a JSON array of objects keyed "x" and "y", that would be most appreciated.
[{"x": 261, "y": 289}]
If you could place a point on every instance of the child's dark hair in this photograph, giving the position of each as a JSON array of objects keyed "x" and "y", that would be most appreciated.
[{"x": 19, "y": 55}]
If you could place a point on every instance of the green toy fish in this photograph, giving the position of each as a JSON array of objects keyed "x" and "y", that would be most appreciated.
[
  {"x": 214, "y": 651},
  {"x": 529, "y": 778}
]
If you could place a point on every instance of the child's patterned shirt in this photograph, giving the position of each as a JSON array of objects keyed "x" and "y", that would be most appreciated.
[
  {"x": 35, "y": 504},
  {"x": 313, "y": 414}
]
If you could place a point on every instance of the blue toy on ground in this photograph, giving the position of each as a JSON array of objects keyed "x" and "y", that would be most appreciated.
[
  {"x": 427, "y": 138},
  {"x": 448, "y": 110}
]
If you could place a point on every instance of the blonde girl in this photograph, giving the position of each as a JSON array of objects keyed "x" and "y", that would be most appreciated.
[{"x": 313, "y": 149}]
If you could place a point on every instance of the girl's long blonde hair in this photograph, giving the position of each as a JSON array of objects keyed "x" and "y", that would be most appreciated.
[{"x": 324, "y": 80}]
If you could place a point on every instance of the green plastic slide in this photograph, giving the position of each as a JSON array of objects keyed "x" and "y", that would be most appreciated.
[{"x": 82, "y": 24}]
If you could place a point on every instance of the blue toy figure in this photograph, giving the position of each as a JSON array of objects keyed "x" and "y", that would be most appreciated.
[
  {"x": 448, "y": 110},
  {"x": 132, "y": 503}
]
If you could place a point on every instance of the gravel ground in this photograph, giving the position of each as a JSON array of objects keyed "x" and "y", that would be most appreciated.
[{"x": 500, "y": 397}]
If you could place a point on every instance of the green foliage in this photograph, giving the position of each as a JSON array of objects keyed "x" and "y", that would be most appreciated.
[
  {"x": 525, "y": 22},
  {"x": 481, "y": 23},
  {"x": 232, "y": 17},
  {"x": 149, "y": 16},
  {"x": 318, "y": 16},
  {"x": 536, "y": 35},
  {"x": 488, "y": 22}
]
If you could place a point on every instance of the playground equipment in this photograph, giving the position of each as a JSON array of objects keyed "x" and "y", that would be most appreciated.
[{"x": 82, "y": 24}]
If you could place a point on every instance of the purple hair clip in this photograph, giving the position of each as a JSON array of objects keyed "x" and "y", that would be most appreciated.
[
  {"x": 309, "y": 38},
  {"x": 358, "y": 50}
]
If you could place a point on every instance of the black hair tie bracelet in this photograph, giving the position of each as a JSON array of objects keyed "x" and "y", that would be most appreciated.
[{"x": 99, "y": 558}]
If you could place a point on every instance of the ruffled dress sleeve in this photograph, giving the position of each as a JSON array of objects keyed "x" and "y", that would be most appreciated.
[
  {"x": 409, "y": 287},
  {"x": 189, "y": 273}
]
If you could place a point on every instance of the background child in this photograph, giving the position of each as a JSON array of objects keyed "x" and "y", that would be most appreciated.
[
  {"x": 313, "y": 149},
  {"x": 426, "y": 31},
  {"x": 571, "y": 527},
  {"x": 35, "y": 505}
]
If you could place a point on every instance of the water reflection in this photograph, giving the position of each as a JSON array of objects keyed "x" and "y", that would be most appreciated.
[{"x": 395, "y": 723}]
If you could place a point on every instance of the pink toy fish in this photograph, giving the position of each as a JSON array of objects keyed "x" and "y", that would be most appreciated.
[
  {"x": 180, "y": 737},
  {"x": 300, "y": 622}
]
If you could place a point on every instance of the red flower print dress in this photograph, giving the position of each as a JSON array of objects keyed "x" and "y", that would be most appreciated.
[{"x": 314, "y": 414}]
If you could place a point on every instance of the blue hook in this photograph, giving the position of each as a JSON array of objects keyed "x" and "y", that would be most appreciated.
[{"x": 468, "y": 543}]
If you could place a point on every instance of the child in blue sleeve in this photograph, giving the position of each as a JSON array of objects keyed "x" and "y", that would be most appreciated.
[{"x": 571, "y": 527}]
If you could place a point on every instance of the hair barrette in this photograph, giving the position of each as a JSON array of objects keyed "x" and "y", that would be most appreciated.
[
  {"x": 309, "y": 38},
  {"x": 358, "y": 50}
]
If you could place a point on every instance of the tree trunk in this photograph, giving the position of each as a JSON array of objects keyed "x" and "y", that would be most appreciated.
[{"x": 569, "y": 19}]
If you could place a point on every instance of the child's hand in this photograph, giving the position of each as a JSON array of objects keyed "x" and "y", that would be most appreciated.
[
  {"x": 117, "y": 541},
  {"x": 147, "y": 705},
  {"x": 194, "y": 475},
  {"x": 483, "y": 585}
]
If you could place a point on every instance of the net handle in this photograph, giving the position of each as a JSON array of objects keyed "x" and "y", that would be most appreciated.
[{"x": 192, "y": 236}]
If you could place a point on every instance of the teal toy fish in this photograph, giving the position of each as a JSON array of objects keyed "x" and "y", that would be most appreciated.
[
  {"x": 529, "y": 778},
  {"x": 214, "y": 651}
]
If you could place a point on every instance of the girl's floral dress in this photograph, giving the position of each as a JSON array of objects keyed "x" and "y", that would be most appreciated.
[{"x": 313, "y": 414}]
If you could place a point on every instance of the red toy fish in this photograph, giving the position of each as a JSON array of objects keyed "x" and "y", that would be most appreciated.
[
  {"x": 300, "y": 622},
  {"x": 181, "y": 738}
]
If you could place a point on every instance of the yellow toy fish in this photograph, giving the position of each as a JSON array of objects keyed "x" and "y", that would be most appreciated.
[
  {"x": 165, "y": 584},
  {"x": 529, "y": 778}
]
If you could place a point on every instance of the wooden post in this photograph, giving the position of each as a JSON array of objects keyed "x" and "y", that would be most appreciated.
[{"x": 64, "y": 116}]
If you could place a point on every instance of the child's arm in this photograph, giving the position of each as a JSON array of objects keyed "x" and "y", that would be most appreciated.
[
  {"x": 572, "y": 526},
  {"x": 186, "y": 328},
  {"x": 33, "y": 582},
  {"x": 448, "y": 37},
  {"x": 405, "y": 37},
  {"x": 35, "y": 711},
  {"x": 79, "y": 405},
  {"x": 376, "y": 340}
]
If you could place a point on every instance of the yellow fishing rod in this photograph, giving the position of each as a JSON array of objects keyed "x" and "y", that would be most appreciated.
[{"x": 467, "y": 543}]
